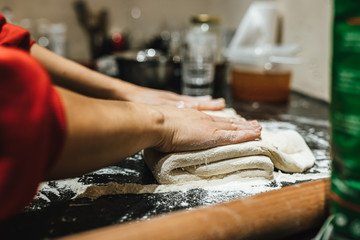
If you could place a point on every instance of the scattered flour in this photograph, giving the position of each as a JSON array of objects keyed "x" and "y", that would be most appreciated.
[
  {"x": 58, "y": 187},
  {"x": 113, "y": 170},
  {"x": 249, "y": 186},
  {"x": 305, "y": 120}
]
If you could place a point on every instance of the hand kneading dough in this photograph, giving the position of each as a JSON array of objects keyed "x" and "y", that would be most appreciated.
[{"x": 286, "y": 150}]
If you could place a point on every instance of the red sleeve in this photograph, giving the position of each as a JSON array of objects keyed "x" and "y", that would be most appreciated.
[
  {"x": 32, "y": 128},
  {"x": 14, "y": 36}
]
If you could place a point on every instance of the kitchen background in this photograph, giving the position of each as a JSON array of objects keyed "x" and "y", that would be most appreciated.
[{"x": 305, "y": 22}]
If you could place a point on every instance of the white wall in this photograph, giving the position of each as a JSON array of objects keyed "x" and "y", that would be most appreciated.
[
  {"x": 156, "y": 15},
  {"x": 308, "y": 23}
]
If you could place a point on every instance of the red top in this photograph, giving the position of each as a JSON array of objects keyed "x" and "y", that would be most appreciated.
[
  {"x": 32, "y": 121},
  {"x": 14, "y": 36}
]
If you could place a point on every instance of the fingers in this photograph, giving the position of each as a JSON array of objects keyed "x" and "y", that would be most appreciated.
[
  {"x": 236, "y": 123},
  {"x": 235, "y": 120},
  {"x": 256, "y": 124},
  {"x": 201, "y": 103},
  {"x": 225, "y": 137},
  {"x": 247, "y": 125},
  {"x": 216, "y": 104},
  {"x": 240, "y": 130}
]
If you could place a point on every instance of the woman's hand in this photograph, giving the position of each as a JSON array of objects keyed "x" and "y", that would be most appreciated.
[
  {"x": 188, "y": 129},
  {"x": 160, "y": 97}
]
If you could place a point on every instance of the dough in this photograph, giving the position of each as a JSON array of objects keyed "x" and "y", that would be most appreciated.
[{"x": 286, "y": 150}]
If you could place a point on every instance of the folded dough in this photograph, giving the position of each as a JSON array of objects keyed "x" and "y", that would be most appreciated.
[{"x": 286, "y": 150}]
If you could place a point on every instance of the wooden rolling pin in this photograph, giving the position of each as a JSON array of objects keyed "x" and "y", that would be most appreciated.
[{"x": 269, "y": 215}]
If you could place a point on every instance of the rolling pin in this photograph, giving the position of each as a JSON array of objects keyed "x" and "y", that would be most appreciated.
[{"x": 271, "y": 215}]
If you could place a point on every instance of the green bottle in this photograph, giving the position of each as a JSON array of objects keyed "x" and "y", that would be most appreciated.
[{"x": 345, "y": 121}]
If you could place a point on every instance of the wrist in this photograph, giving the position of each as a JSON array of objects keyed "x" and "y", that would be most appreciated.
[
  {"x": 156, "y": 126},
  {"x": 122, "y": 90}
]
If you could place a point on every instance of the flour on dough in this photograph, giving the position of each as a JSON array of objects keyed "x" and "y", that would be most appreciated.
[{"x": 285, "y": 150}]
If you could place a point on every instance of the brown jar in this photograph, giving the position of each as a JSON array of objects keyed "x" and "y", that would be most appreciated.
[{"x": 250, "y": 84}]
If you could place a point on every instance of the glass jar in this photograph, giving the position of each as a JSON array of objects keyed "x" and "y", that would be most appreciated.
[{"x": 204, "y": 23}]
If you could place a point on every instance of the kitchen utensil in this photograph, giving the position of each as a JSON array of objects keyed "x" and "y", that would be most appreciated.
[{"x": 148, "y": 68}]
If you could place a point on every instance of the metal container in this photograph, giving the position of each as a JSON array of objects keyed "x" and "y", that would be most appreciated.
[{"x": 148, "y": 68}]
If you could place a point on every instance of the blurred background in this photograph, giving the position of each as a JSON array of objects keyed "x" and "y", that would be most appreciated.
[{"x": 89, "y": 30}]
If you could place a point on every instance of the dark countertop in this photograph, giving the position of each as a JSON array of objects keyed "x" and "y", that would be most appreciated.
[{"x": 55, "y": 213}]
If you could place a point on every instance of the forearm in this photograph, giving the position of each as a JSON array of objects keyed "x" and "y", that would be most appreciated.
[
  {"x": 102, "y": 132},
  {"x": 73, "y": 76}
]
